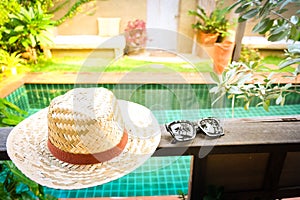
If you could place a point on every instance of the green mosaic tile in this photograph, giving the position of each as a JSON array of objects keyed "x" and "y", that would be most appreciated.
[
  {"x": 153, "y": 96},
  {"x": 19, "y": 97},
  {"x": 158, "y": 176}
]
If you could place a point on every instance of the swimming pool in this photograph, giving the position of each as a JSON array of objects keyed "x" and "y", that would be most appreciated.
[
  {"x": 160, "y": 175},
  {"x": 167, "y": 101}
]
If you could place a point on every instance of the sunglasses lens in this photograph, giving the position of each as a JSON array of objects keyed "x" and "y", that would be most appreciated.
[
  {"x": 211, "y": 127},
  {"x": 182, "y": 131}
]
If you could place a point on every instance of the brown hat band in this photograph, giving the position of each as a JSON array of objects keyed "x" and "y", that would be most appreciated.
[{"x": 87, "y": 159}]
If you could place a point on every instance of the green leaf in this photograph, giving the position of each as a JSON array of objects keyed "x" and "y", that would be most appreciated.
[
  {"x": 218, "y": 98},
  {"x": 244, "y": 78},
  {"x": 13, "y": 106},
  {"x": 242, "y": 97},
  {"x": 25, "y": 43},
  {"x": 214, "y": 90},
  {"x": 279, "y": 36},
  {"x": 295, "y": 33},
  {"x": 215, "y": 77},
  {"x": 279, "y": 99},
  {"x": 265, "y": 9},
  {"x": 278, "y": 29},
  {"x": 32, "y": 39},
  {"x": 19, "y": 28},
  {"x": 235, "y": 90},
  {"x": 282, "y": 101},
  {"x": 234, "y": 5},
  {"x": 250, "y": 13},
  {"x": 13, "y": 39},
  {"x": 266, "y": 106},
  {"x": 241, "y": 19},
  {"x": 272, "y": 96},
  {"x": 285, "y": 3},
  {"x": 10, "y": 122},
  {"x": 289, "y": 62},
  {"x": 246, "y": 106},
  {"x": 287, "y": 86},
  {"x": 263, "y": 26},
  {"x": 242, "y": 8}
]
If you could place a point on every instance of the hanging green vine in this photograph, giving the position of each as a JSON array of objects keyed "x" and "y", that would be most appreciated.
[{"x": 72, "y": 12}]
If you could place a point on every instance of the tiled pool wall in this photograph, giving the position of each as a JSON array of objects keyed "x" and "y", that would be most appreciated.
[
  {"x": 167, "y": 101},
  {"x": 159, "y": 176}
]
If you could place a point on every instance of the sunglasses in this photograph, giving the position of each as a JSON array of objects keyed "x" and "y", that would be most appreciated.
[{"x": 184, "y": 130}]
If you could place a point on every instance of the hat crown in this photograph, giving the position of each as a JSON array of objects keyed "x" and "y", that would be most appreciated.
[{"x": 85, "y": 121}]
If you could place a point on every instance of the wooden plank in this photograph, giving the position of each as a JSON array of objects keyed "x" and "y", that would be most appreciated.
[
  {"x": 276, "y": 135},
  {"x": 273, "y": 171},
  {"x": 3, "y": 136},
  {"x": 241, "y": 135},
  {"x": 239, "y": 132},
  {"x": 197, "y": 183}
]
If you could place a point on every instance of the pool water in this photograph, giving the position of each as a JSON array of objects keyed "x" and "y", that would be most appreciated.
[{"x": 159, "y": 175}]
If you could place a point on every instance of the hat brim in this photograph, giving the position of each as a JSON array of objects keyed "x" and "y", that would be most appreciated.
[{"x": 27, "y": 148}]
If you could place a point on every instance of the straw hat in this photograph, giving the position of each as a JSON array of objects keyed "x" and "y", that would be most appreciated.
[{"x": 84, "y": 138}]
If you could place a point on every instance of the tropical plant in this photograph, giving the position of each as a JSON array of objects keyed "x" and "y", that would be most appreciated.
[
  {"x": 48, "y": 7},
  {"x": 75, "y": 8},
  {"x": 10, "y": 60},
  {"x": 239, "y": 80},
  {"x": 7, "y": 7},
  {"x": 26, "y": 30},
  {"x": 15, "y": 185},
  {"x": 216, "y": 22},
  {"x": 10, "y": 114},
  {"x": 249, "y": 55},
  {"x": 292, "y": 57},
  {"x": 237, "y": 83},
  {"x": 181, "y": 195}
]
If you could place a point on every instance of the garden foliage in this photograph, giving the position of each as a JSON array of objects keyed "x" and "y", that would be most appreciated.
[{"x": 239, "y": 81}]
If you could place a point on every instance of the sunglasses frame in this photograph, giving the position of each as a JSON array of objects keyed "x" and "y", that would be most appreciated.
[
  {"x": 220, "y": 132},
  {"x": 168, "y": 128},
  {"x": 197, "y": 128}
]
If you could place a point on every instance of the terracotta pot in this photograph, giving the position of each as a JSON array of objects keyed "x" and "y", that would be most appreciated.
[
  {"x": 207, "y": 38},
  {"x": 135, "y": 50},
  {"x": 222, "y": 55}
]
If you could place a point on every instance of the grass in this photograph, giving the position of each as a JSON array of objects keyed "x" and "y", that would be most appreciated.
[
  {"x": 272, "y": 60},
  {"x": 125, "y": 64},
  {"x": 270, "y": 64}
]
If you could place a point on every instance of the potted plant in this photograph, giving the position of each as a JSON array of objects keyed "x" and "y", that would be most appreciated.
[
  {"x": 135, "y": 36},
  {"x": 222, "y": 53},
  {"x": 213, "y": 31},
  {"x": 210, "y": 27}
]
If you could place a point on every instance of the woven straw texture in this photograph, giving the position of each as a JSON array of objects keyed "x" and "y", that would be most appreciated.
[
  {"x": 27, "y": 148},
  {"x": 85, "y": 120}
]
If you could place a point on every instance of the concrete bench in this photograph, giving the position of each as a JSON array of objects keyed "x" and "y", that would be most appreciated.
[
  {"x": 68, "y": 45},
  {"x": 259, "y": 42}
]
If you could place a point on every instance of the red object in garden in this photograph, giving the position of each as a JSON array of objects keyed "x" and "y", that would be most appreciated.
[{"x": 135, "y": 34}]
